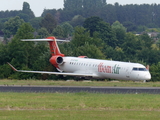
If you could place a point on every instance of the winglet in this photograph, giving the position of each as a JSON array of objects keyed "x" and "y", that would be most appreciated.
[{"x": 12, "y": 66}]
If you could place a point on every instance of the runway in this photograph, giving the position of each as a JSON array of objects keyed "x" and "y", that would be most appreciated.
[{"x": 70, "y": 89}]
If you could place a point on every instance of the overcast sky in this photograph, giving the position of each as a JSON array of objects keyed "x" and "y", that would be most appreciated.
[{"x": 38, "y": 6}]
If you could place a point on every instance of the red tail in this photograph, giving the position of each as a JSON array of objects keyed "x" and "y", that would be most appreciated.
[{"x": 54, "y": 47}]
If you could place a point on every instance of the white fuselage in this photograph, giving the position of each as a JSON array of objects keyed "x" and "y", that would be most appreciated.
[{"x": 105, "y": 68}]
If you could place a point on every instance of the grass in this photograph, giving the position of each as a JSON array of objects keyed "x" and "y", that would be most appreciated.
[
  {"x": 79, "y": 115},
  {"x": 78, "y": 106},
  {"x": 80, "y": 83}
]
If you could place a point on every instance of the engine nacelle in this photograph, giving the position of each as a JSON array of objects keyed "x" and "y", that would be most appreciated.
[
  {"x": 82, "y": 56},
  {"x": 56, "y": 60}
]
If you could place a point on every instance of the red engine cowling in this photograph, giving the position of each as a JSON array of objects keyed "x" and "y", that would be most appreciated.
[{"x": 56, "y": 60}]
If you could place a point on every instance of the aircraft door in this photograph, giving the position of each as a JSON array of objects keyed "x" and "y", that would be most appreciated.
[{"x": 128, "y": 73}]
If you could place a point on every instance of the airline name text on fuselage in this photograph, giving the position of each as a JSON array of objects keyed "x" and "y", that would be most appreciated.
[{"x": 109, "y": 69}]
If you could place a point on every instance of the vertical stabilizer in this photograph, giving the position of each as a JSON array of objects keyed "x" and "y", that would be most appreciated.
[{"x": 54, "y": 47}]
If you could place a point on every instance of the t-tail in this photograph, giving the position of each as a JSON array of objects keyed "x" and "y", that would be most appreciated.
[
  {"x": 54, "y": 47},
  {"x": 57, "y": 56}
]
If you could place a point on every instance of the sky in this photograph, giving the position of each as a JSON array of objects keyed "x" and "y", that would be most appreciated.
[{"x": 37, "y": 6}]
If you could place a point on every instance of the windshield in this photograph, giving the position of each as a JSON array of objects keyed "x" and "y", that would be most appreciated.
[{"x": 139, "y": 69}]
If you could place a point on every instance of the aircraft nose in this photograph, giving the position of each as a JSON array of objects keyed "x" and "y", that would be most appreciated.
[{"x": 148, "y": 76}]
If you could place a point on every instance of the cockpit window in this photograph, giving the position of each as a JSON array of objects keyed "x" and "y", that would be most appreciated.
[
  {"x": 139, "y": 69},
  {"x": 135, "y": 68},
  {"x": 142, "y": 69}
]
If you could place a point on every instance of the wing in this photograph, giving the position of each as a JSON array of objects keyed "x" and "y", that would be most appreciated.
[{"x": 56, "y": 73}]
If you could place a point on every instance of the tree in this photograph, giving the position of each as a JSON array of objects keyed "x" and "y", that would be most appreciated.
[
  {"x": 1, "y": 26},
  {"x": 68, "y": 29},
  {"x": 11, "y": 26},
  {"x": 26, "y": 10},
  {"x": 43, "y": 33},
  {"x": 92, "y": 24},
  {"x": 49, "y": 23},
  {"x": 149, "y": 56},
  {"x": 158, "y": 43},
  {"x": 58, "y": 32},
  {"x": 95, "y": 24},
  {"x": 94, "y": 3},
  {"x": 5, "y": 71},
  {"x": 3, "y": 54},
  {"x": 154, "y": 69},
  {"x": 115, "y": 53},
  {"x": 25, "y": 17},
  {"x": 18, "y": 50},
  {"x": 147, "y": 52},
  {"x": 147, "y": 40},
  {"x": 77, "y": 20},
  {"x": 50, "y": 11},
  {"x": 35, "y": 22},
  {"x": 118, "y": 25},
  {"x": 120, "y": 31},
  {"x": 93, "y": 7},
  {"x": 90, "y": 51},
  {"x": 72, "y": 5},
  {"x": 130, "y": 26},
  {"x": 80, "y": 37},
  {"x": 83, "y": 44},
  {"x": 108, "y": 13},
  {"x": 141, "y": 28},
  {"x": 130, "y": 46},
  {"x": 19, "y": 53},
  {"x": 27, "y": 55}
]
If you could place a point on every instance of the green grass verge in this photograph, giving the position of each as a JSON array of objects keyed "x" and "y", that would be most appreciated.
[
  {"x": 79, "y": 115},
  {"x": 78, "y": 106},
  {"x": 80, "y": 83}
]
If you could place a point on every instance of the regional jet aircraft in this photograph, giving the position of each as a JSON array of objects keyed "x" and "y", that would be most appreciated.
[{"x": 90, "y": 68}]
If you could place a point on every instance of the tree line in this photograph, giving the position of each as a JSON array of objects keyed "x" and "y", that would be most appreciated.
[
  {"x": 133, "y": 16},
  {"x": 95, "y": 39}
]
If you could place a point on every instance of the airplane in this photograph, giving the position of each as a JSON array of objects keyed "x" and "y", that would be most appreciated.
[{"x": 85, "y": 67}]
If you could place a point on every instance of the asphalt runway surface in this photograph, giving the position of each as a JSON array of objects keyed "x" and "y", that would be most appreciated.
[{"x": 70, "y": 89}]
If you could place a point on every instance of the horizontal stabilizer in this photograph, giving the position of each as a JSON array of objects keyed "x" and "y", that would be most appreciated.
[
  {"x": 37, "y": 40},
  {"x": 41, "y": 40},
  {"x": 12, "y": 67}
]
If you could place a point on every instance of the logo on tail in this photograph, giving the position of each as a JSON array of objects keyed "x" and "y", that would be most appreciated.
[{"x": 54, "y": 47}]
